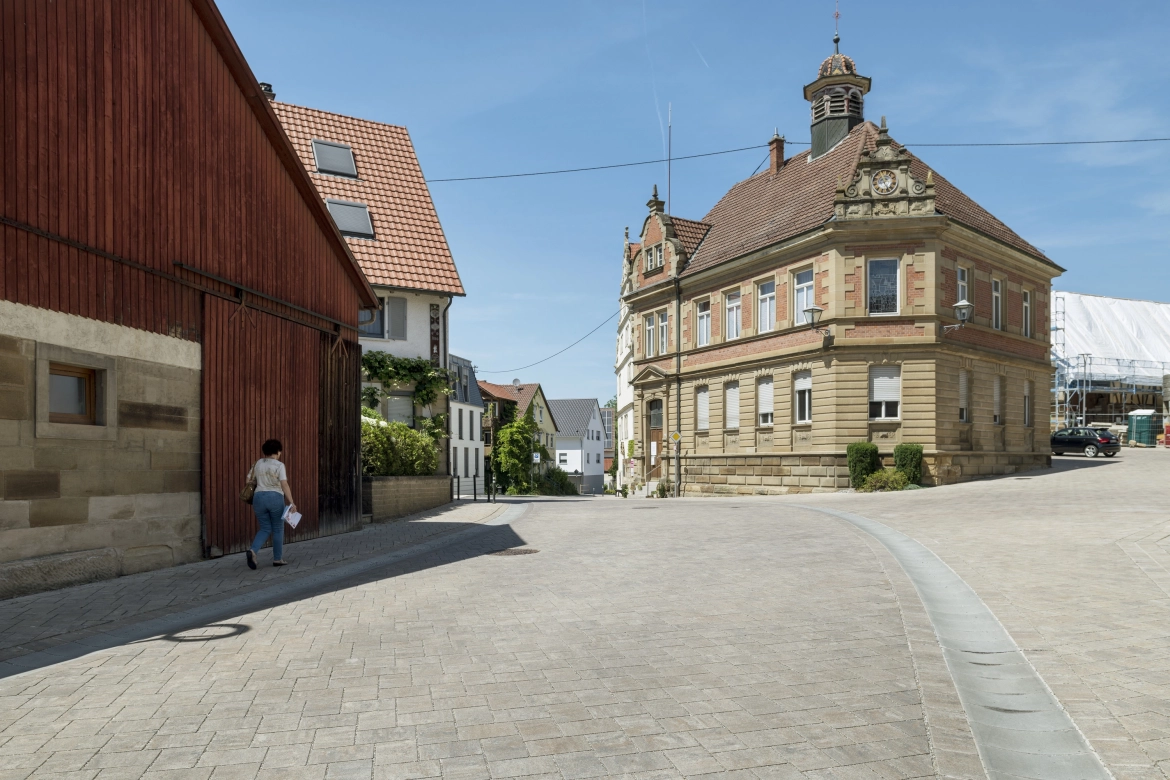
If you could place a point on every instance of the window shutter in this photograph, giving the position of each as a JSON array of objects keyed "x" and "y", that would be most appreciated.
[
  {"x": 400, "y": 408},
  {"x": 885, "y": 383},
  {"x": 802, "y": 380},
  {"x": 963, "y": 390},
  {"x": 703, "y": 409},
  {"x": 998, "y": 397},
  {"x": 764, "y": 395},
  {"x": 396, "y": 313},
  {"x": 731, "y": 405}
]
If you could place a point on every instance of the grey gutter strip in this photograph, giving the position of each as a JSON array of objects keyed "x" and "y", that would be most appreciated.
[
  {"x": 238, "y": 605},
  {"x": 1020, "y": 728}
]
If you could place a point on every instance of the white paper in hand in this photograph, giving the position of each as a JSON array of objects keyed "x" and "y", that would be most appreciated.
[{"x": 292, "y": 518}]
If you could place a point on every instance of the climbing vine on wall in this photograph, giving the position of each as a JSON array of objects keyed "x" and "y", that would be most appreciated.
[{"x": 430, "y": 382}]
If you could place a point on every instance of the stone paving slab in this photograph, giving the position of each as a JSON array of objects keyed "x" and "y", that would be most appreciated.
[
  {"x": 642, "y": 641},
  {"x": 37, "y": 622}
]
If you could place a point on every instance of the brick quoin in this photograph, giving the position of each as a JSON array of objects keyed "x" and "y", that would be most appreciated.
[
  {"x": 949, "y": 286},
  {"x": 1015, "y": 309},
  {"x": 751, "y": 347},
  {"x": 781, "y": 301},
  {"x": 821, "y": 287},
  {"x": 878, "y": 330},
  {"x": 857, "y": 295}
]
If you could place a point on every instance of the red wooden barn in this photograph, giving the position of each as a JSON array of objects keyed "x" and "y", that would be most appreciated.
[{"x": 173, "y": 292}]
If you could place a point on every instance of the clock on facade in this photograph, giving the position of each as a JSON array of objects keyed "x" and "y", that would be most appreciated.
[{"x": 885, "y": 182}]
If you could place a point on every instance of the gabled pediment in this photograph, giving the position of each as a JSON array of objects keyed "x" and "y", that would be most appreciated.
[{"x": 649, "y": 375}]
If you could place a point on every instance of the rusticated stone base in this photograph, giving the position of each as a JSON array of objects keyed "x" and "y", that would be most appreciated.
[{"x": 778, "y": 474}]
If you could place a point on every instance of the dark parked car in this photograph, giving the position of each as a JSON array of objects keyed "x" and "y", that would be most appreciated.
[{"x": 1085, "y": 440}]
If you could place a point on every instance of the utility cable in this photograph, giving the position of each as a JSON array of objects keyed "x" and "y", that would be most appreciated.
[
  {"x": 553, "y": 355},
  {"x": 790, "y": 143}
]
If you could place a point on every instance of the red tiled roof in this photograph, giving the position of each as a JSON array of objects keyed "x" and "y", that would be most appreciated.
[
  {"x": 769, "y": 208},
  {"x": 634, "y": 249},
  {"x": 409, "y": 249},
  {"x": 522, "y": 396},
  {"x": 689, "y": 233}
]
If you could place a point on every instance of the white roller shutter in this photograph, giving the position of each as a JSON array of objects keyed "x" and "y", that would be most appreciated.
[
  {"x": 396, "y": 315},
  {"x": 963, "y": 391},
  {"x": 764, "y": 395},
  {"x": 802, "y": 380},
  {"x": 702, "y": 409},
  {"x": 885, "y": 383},
  {"x": 731, "y": 405},
  {"x": 997, "y": 398}
]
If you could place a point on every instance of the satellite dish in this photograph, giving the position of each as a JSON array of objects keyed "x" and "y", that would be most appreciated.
[{"x": 516, "y": 383}]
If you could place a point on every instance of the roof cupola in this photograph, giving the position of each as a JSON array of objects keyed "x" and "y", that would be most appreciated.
[{"x": 838, "y": 100}]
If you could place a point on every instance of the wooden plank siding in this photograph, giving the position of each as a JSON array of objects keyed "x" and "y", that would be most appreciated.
[{"x": 139, "y": 160}]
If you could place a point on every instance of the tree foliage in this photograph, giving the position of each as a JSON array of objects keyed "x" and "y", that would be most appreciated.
[{"x": 512, "y": 452}]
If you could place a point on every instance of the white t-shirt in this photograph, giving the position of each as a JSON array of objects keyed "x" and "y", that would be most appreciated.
[{"x": 268, "y": 473}]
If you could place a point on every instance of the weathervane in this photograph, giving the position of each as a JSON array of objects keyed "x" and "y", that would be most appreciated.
[{"x": 836, "y": 27}]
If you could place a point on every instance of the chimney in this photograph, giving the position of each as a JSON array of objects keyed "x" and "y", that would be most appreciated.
[
  {"x": 776, "y": 149},
  {"x": 266, "y": 90}
]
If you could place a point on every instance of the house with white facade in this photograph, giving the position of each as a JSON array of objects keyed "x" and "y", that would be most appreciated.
[
  {"x": 466, "y": 423},
  {"x": 623, "y": 369},
  {"x": 372, "y": 184},
  {"x": 580, "y": 443}
]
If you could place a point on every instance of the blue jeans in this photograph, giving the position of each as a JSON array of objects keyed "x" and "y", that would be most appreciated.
[{"x": 269, "y": 508}]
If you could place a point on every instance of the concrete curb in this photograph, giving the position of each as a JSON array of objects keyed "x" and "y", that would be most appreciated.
[{"x": 1020, "y": 728}]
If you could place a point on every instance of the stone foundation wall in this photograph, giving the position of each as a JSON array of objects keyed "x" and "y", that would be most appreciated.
[
  {"x": 80, "y": 502},
  {"x": 758, "y": 474},
  {"x": 388, "y": 498}
]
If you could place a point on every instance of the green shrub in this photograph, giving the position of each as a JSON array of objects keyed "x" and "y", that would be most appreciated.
[
  {"x": 625, "y": 491},
  {"x": 883, "y": 481},
  {"x": 863, "y": 460},
  {"x": 555, "y": 482},
  {"x": 908, "y": 460},
  {"x": 394, "y": 449},
  {"x": 665, "y": 488}
]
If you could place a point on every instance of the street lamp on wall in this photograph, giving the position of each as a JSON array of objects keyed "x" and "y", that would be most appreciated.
[
  {"x": 962, "y": 311},
  {"x": 812, "y": 315}
]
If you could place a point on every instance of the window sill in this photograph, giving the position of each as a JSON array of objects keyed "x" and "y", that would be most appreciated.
[
  {"x": 802, "y": 426},
  {"x": 885, "y": 419}
]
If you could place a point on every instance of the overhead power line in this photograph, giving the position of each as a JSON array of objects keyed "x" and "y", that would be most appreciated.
[
  {"x": 791, "y": 143},
  {"x": 553, "y": 355}
]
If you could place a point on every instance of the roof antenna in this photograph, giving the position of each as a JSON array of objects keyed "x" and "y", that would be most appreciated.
[{"x": 836, "y": 31}]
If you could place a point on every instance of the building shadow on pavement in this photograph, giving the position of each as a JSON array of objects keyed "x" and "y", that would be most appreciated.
[{"x": 215, "y": 616}]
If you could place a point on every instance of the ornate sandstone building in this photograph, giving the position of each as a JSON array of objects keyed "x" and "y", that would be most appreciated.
[{"x": 816, "y": 304}]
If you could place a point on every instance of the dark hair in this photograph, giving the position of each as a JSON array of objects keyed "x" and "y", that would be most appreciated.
[{"x": 271, "y": 447}]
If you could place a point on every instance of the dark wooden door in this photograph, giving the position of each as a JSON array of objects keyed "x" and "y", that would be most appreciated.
[{"x": 654, "y": 440}]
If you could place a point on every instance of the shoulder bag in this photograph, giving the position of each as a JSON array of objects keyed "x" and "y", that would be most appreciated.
[{"x": 249, "y": 491}]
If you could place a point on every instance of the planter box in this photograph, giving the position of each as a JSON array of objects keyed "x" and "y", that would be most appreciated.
[{"x": 388, "y": 498}]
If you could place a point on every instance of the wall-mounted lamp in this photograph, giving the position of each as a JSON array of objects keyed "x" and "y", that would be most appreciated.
[
  {"x": 962, "y": 311},
  {"x": 812, "y": 315}
]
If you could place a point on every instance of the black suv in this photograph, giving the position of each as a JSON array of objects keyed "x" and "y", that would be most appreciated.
[{"x": 1085, "y": 440}]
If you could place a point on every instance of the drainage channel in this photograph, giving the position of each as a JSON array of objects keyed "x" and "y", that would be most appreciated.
[{"x": 1019, "y": 726}]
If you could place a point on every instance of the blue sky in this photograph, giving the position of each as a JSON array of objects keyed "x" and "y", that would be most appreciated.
[{"x": 488, "y": 88}]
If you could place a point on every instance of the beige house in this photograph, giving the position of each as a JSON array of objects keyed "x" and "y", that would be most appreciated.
[{"x": 861, "y": 235}]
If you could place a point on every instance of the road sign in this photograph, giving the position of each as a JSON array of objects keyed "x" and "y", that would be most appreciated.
[
  {"x": 536, "y": 457},
  {"x": 676, "y": 437}
]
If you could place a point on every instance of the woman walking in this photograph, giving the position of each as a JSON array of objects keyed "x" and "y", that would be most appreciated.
[{"x": 268, "y": 502}]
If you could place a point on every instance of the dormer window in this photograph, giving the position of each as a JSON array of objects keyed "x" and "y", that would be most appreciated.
[
  {"x": 654, "y": 257},
  {"x": 334, "y": 158},
  {"x": 353, "y": 219}
]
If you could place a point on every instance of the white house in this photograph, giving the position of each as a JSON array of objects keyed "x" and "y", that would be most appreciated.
[
  {"x": 580, "y": 446},
  {"x": 372, "y": 183},
  {"x": 466, "y": 423},
  {"x": 623, "y": 433}
]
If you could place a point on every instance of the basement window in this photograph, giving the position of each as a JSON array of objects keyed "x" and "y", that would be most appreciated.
[
  {"x": 353, "y": 219},
  {"x": 334, "y": 158},
  {"x": 72, "y": 394}
]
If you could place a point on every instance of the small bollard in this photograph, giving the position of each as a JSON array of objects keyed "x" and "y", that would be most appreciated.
[{"x": 474, "y": 490}]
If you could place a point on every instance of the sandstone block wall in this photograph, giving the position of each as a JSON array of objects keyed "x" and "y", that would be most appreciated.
[
  {"x": 78, "y": 504},
  {"x": 388, "y": 498}
]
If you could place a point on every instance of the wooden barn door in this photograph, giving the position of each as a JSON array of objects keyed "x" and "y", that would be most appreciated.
[
  {"x": 261, "y": 378},
  {"x": 339, "y": 488}
]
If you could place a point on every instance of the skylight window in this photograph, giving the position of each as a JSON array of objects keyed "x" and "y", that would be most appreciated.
[
  {"x": 353, "y": 219},
  {"x": 334, "y": 158}
]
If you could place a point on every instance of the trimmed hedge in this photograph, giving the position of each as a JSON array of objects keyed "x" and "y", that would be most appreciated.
[
  {"x": 863, "y": 460},
  {"x": 908, "y": 460}
]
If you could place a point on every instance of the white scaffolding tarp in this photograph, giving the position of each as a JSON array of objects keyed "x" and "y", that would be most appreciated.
[{"x": 1126, "y": 340}]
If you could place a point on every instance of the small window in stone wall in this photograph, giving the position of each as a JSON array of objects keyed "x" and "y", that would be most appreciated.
[{"x": 72, "y": 394}]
